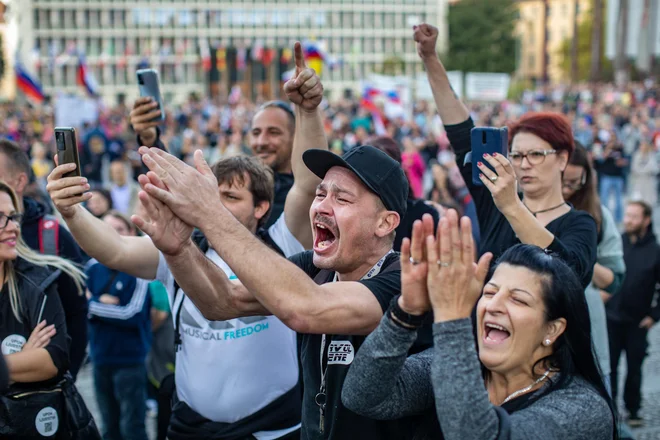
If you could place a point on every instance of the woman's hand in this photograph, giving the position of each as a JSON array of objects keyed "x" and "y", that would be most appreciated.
[
  {"x": 414, "y": 297},
  {"x": 40, "y": 336},
  {"x": 454, "y": 281},
  {"x": 502, "y": 183}
]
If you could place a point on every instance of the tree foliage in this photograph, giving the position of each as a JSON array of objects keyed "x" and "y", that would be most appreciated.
[{"x": 481, "y": 36}]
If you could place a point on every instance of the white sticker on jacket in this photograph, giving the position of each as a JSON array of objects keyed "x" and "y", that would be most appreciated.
[
  {"x": 47, "y": 422},
  {"x": 13, "y": 344},
  {"x": 340, "y": 353}
]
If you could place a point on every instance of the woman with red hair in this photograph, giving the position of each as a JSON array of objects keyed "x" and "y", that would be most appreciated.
[{"x": 540, "y": 146}]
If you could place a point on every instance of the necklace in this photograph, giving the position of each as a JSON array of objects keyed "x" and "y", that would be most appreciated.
[
  {"x": 527, "y": 388},
  {"x": 545, "y": 210}
]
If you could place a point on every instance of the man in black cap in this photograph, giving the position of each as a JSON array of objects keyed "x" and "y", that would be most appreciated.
[{"x": 332, "y": 296}]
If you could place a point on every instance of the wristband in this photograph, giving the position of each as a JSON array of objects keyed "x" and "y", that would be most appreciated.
[{"x": 404, "y": 319}]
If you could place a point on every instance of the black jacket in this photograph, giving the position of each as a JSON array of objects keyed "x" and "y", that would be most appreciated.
[
  {"x": 75, "y": 305},
  {"x": 37, "y": 287},
  {"x": 632, "y": 302}
]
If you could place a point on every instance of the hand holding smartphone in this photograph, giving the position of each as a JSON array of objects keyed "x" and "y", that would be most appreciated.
[
  {"x": 149, "y": 85},
  {"x": 67, "y": 149},
  {"x": 487, "y": 140}
]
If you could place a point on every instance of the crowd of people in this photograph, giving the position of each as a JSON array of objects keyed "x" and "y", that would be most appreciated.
[{"x": 283, "y": 270}]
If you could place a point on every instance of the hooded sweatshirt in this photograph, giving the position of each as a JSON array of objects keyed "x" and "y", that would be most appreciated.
[
  {"x": 75, "y": 305},
  {"x": 633, "y": 301}
]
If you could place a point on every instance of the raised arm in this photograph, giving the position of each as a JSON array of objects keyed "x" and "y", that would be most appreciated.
[
  {"x": 306, "y": 91},
  {"x": 280, "y": 286},
  {"x": 136, "y": 256}
]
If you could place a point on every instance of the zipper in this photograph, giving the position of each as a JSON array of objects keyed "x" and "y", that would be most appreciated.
[{"x": 30, "y": 393}]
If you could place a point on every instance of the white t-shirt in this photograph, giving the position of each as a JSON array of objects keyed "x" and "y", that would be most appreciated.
[{"x": 228, "y": 370}]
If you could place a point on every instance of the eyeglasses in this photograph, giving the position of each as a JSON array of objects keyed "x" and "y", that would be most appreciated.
[
  {"x": 16, "y": 218},
  {"x": 574, "y": 185},
  {"x": 534, "y": 157}
]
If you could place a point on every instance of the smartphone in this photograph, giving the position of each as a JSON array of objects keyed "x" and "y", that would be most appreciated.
[
  {"x": 67, "y": 149},
  {"x": 148, "y": 85},
  {"x": 487, "y": 140}
]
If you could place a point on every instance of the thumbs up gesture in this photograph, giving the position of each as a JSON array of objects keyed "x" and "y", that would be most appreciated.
[{"x": 304, "y": 89}]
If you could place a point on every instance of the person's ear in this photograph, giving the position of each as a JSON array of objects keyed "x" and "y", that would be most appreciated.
[
  {"x": 261, "y": 209},
  {"x": 563, "y": 160},
  {"x": 387, "y": 223},
  {"x": 22, "y": 181},
  {"x": 555, "y": 329}
]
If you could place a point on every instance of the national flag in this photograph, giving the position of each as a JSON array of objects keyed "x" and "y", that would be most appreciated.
[
  {"x": 287, "y": 55},
  {"x": 314, "y": 56},
  {"x": 241, "y": 59},
  {"x": 268, "y": 57},
  {"x": 29, "y": 85},
  {"x": 221, "y": 59},
  {"x": 85, "y": 78},
  {"x": 205, "y": 54},
  {"x": 288, "y": 74},
  {"x": 393, "y": 96},
  {"x": 379, "y": 124}
]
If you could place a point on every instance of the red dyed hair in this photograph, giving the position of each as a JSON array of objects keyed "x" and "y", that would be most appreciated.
[{"x": 553, "y": 128}]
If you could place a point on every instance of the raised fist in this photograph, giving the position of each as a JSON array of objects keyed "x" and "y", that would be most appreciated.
[
  {"x": 426, "y": 37},
  {"x": 304, "y": 89}
]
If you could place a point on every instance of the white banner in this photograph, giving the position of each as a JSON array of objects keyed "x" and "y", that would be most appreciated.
[
  {"x": 487, "y": 86},
  {"x": 74, "y": 111}
]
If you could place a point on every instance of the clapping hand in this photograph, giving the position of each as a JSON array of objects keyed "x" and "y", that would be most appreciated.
[
  {"x": 304, "y": 89},
  {"x": 414, "y": 269},
  {"x": 454, "y": 280}
]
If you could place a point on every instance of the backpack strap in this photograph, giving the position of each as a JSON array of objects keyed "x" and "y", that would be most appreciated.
[{"x": 49, "y": 235}]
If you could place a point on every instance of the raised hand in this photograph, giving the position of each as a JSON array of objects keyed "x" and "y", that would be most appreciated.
[
  {"x": 426, "y": 37},
  {"x": 304, "y": 88},
  {"x": 40, "y": 336},
  {"x": 414, "y": 269},
  {"x": 191, "y": 193},
  {"x": 454, "y": 281},
  {"x": 167, "y": 231},
  {"x": 502, "y": 183},
  {"x": 143, "y": 119},
  {"x": 67, "y": 192}
]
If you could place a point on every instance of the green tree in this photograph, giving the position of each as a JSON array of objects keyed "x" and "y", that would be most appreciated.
[
  {"x": 481, "y": 36},
  {"x": 585, "y": 52}
]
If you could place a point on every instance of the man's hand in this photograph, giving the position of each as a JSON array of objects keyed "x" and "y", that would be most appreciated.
[
  {"x": 40, "y": 336},
  {"x": 167, "y": 231},
  {"x": 67, "y": 192},
  {"x": 143, "y": 118},
  {"x": 426, "y": 37},
  {"x": 192, "y": 194},
  {"x": 304, "y": 88},
  {"x": 647, "y": 323}
]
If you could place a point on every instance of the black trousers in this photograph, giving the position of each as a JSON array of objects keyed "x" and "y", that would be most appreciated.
[{"x": 633, "y": 340}]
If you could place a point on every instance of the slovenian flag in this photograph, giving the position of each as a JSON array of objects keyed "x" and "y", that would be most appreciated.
[
  {"x": 28, "y": 85},
  {"x": 85, "y": 78}
]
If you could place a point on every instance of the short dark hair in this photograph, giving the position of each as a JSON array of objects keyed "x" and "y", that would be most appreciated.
[
  {"x": 18, "y": 158},
  {"x": 284, "y": 107},
  {"x": 118, "y": 215},
  {"x": 262, "y": 180},
  {"x": 646, "y": 208}
]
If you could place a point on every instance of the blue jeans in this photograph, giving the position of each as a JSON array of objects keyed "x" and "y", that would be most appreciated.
[
  {"x": 609, "y": 184},
  {"x": 121, "y": 393}
]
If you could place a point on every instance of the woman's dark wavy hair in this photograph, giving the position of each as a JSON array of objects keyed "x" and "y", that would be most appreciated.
[
  {"x": 563, "y": 297},
  {"x": 586, "y": 198}
]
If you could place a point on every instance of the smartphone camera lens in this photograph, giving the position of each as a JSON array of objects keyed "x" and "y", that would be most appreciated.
[
  {"x": 140, "y": 80},
  {"x": 60, "y": 141}
]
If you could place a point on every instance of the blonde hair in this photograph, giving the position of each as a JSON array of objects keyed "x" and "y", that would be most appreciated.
[{"x": 33, "y": 257}]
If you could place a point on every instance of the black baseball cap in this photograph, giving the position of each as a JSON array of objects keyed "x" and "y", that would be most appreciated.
[{"x": 378, "y": 171}]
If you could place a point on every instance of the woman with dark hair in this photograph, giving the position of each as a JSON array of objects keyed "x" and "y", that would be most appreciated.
[
  {"x": 540, "y": 147},
  {"x": 579, "y": 186},
  {"x": 100, "y": 202},
  {"x": 533, "y": 346}
]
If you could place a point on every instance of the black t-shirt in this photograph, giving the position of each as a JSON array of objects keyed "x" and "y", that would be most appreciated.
[{"x": 340, "y": 423}]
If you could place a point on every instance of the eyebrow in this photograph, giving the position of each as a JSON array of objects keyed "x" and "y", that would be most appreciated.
[
  {"x": 512, "y": 290},
  {"x": 334, "y": 188}
]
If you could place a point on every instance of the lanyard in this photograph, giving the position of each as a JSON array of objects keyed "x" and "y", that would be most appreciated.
[{"x": 321, "y": 397}]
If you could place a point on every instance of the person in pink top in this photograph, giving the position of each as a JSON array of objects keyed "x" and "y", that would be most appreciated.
[{"x": 413, "y": 165}]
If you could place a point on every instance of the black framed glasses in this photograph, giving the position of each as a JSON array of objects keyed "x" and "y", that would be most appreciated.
[
  {"x": 534, "y": 157},
  {"x": 575, "y": 185},
  {"x": 5, "y": 219}
]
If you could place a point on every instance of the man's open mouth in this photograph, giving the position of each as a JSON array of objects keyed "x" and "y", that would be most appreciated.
[{"x": 325, "y": 236}]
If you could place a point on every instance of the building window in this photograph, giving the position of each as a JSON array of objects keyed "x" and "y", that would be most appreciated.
[{"x": 531, "y": 61}]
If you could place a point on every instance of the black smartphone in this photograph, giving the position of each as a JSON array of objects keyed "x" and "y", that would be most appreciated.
[
  {"x": 149, "y": 85},
  {"x": 487, "y": 140},
  {"x": 67, "y": 149}
]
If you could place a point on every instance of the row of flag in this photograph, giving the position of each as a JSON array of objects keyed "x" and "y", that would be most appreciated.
[
  {"x": 30, "y": 86},
  {"x": 373, "y": 94}
]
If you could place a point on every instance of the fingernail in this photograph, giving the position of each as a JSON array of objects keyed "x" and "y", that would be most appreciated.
[
  {"x": 480, "y": 163},
  {"x": 83, "y": 180},
  {"x": 486, "y": 155},
  {"x": 494, "y": 154}
]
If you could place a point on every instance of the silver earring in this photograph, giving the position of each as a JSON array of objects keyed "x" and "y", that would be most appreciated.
[{"x": 547, "y": 342}]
